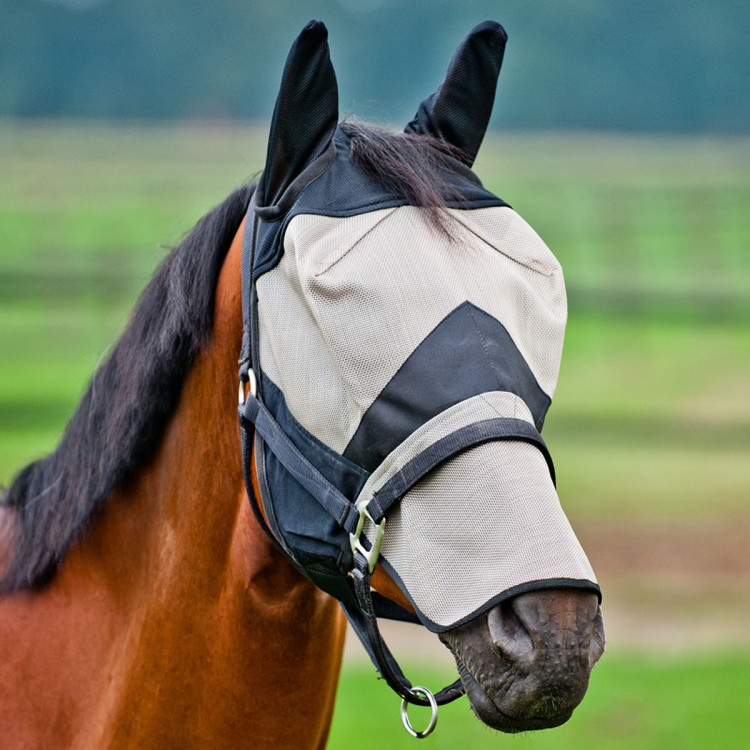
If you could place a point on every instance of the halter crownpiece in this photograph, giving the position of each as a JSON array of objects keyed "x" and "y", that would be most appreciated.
[{"x": 400, "y": 367}]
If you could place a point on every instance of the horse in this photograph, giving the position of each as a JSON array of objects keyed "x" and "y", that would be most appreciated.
[{"x": 145, "y": 601}]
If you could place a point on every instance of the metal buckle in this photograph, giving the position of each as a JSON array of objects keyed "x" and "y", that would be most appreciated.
[
  {"x": 433, "y": 713},
  {"x": 253, "y": 381},
  {"x": 371, "y": 555}
]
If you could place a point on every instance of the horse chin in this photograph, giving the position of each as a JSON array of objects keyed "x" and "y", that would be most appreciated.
[
  {"x": 490, "y": 713},
  {"x": 525, "y": 665}
]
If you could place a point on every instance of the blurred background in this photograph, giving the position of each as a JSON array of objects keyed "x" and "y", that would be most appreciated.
[{"x": 621, "y": 133}]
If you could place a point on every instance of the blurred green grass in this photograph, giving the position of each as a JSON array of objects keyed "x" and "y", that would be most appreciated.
[
  {"x": 650, "y": 419},
  {"x": 634, "y": 701}
]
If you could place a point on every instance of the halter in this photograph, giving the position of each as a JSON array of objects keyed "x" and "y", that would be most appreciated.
[
  {"x": 362, "y": 605},
  {"x": 333, "y": 472}
]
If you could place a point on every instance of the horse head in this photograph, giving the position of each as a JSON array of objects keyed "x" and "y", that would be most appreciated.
[{"x": 403, "y": 334}]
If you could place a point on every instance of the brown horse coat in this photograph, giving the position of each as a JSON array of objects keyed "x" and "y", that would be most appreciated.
[{"x": 175, "y": 622}]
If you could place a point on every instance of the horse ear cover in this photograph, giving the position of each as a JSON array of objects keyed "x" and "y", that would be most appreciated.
[
  {"x": 459, "y": 111},
  {"x": 306, "y": 112}
]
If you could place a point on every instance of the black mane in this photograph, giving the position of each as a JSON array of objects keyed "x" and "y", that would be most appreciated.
[{"x": 122, "y": 415}]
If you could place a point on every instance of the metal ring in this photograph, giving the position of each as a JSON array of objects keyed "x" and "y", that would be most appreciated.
[
  {"x": 433, "y": 718},
  {"x": 253, "y": 382}
]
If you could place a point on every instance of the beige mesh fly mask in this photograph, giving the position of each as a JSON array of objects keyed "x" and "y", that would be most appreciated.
[{"x": 401, "y": 367}]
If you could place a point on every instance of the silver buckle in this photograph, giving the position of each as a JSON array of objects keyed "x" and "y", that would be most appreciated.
[{"x": 372, "y": 554}]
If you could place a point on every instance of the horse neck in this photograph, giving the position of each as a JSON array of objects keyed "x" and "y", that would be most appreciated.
[{"x": 210, "y": 619}]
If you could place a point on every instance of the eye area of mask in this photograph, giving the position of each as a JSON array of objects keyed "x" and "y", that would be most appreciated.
[{"x": 407, "y": 315}]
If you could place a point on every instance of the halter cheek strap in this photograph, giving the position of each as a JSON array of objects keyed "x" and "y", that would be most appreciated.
[
  {"x": 366, "y": 605},
  {"x": 365, "y": 623}
]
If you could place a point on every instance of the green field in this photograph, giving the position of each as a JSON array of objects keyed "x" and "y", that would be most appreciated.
[
  {"x": 634, "y": 702},
  {"x": 649, "y": 428}
]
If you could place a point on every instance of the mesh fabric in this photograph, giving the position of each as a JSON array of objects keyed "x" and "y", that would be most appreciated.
[
  {"x": 353, "y": 297},
  {"x": 476, "y": 409},
  {"x": 481, "y": 524}
]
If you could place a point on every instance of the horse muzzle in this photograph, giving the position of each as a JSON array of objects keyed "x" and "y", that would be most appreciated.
[{"x": 526, "y": 663}]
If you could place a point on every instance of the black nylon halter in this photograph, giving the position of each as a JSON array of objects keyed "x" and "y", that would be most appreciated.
[{"x": 364, "y": 606}]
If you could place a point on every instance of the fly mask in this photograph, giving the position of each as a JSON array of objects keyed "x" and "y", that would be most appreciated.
[{"x": 400, "y": 365}]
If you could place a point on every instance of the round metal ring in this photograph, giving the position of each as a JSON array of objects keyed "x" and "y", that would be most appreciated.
[
  {"x": 252, "y": 381},
  {"x": 433, "y": 718}
]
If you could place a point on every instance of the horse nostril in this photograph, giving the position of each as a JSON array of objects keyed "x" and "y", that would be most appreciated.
[
  {"x": 566, "y": 622},
  {"x": 508, "y": 635}
]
